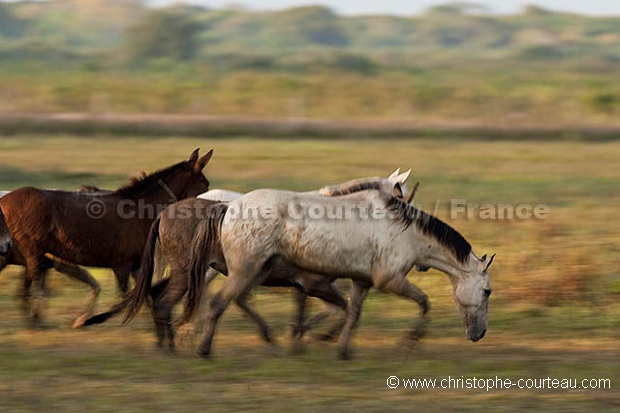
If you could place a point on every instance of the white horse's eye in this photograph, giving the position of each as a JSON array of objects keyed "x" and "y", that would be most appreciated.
[{"x": 487, "y": 292}]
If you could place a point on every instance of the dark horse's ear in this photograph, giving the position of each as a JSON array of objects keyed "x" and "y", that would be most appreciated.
[
  {"x": 194, "y": 156},
  {"x": 490, "y": 262},
  {"x": 202, "y": 162},
  {"x": 411, "y": 195}
]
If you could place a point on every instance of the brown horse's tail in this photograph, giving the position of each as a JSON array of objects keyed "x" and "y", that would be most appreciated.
[
  {"x": 145, "y": 275},
  {"x": 205, "y": 244}
]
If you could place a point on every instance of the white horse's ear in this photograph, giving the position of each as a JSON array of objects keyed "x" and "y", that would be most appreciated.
[
  {"x": 397, "y": 191},
  {"x": 483, "y": 258},
  {"x": 394, "y": 174},
  {"x": 403, "y": 177}
]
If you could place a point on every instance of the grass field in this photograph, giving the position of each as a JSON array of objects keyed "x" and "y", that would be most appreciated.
[{"x": 554, "y": 311}]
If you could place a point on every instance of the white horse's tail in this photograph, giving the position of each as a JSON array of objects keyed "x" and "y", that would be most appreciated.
[{"x": 206, "y": 242}]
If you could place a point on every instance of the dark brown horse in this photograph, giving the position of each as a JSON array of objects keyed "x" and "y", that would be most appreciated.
[
  {"x": 174, "y": 230},
  {"x": 98, "y": 230},
  {"x": 72, "y": 270}
]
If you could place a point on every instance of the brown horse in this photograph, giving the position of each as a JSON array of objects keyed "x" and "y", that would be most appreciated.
[
  {"x": 98, "y": 230},
  {"x": 72, "y": 270}
]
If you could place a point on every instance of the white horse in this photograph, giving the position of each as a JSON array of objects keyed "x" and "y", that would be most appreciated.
[
  {"x": 369, "y": 236},
  {"x": 395, "y": 183}
]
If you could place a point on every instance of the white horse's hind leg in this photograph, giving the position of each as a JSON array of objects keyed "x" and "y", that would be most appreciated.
[
  {"x": 236, "y": 284},
  {"x": 359, "y": 290}
]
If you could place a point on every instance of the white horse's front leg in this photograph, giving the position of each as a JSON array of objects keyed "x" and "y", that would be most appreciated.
[
  {"x": 359, "y": 290},
  {"x": 400, "y": 286}
]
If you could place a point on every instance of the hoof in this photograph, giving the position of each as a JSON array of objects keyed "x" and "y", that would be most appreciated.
[
  {"x": 204, "y": 353},
  {"x": 416, "y": 335},
  {"x": 324, "y": 336},
  {"x": 344, "y": 354},
  {"x": 40, "y": 326},
  {"x": 298, "y": 330},
  {"x": 420, "y": 331},
  {"x": 273, "y": 350},
  {"x": 79, "y": 322},
  {"x": 185, "y": 336},
  {"x": 298, "y": 348}
]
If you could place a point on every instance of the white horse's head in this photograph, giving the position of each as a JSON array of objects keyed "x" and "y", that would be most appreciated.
[{"x": 471, "y": 294}]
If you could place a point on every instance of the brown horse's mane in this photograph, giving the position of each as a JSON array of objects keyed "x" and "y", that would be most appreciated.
[
  {"x": 94, "y": 189},
  {"x": 139, "y": 183},
  {"x": 429, "y": 225}
]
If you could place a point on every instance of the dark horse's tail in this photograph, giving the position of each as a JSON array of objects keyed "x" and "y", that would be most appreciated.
[
  {"x": 135, "y": 298},
  {"x": 206, "y": 243}
]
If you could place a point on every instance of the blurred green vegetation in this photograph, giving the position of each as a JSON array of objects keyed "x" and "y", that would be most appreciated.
[{"x": 451, "y": 63}]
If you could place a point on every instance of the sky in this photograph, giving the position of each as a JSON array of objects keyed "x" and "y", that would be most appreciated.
[{"x": 408, "y": 7}]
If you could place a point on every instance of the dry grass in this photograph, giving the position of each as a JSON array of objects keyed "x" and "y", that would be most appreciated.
[{"x": 554, "y": 310}]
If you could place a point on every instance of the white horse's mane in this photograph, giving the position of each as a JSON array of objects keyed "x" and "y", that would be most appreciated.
[{"x": 430, "y": 225}]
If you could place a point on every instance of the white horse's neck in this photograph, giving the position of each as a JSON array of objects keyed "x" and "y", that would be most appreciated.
[{"x": 435, "y": 255}]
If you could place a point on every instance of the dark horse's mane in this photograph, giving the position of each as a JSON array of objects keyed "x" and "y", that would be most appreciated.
[
  {"x": 144, "y": 181},
  {"x": 429, "y": 225}
]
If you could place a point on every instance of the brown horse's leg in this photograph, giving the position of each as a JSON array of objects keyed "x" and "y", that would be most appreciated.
[
  {"x": 122, "y": 273},
  {"x": 299, "y": 328},
  {"x": 359, "y": 290},
  {"x": 242, "y": 302},
  {"x": 84, "y": 276},
  {"x": 334, "y": 330},
  {"x": 24, "y": 293},
  {"x": 324, "y": 288},
  {"x": 35, "y": 272},
  {"x": 174, "y": 290},
  {"x": 187, "y": 330}
]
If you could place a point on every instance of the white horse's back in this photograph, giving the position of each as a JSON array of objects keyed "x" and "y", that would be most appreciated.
[{"x": 326, "y": 234}]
